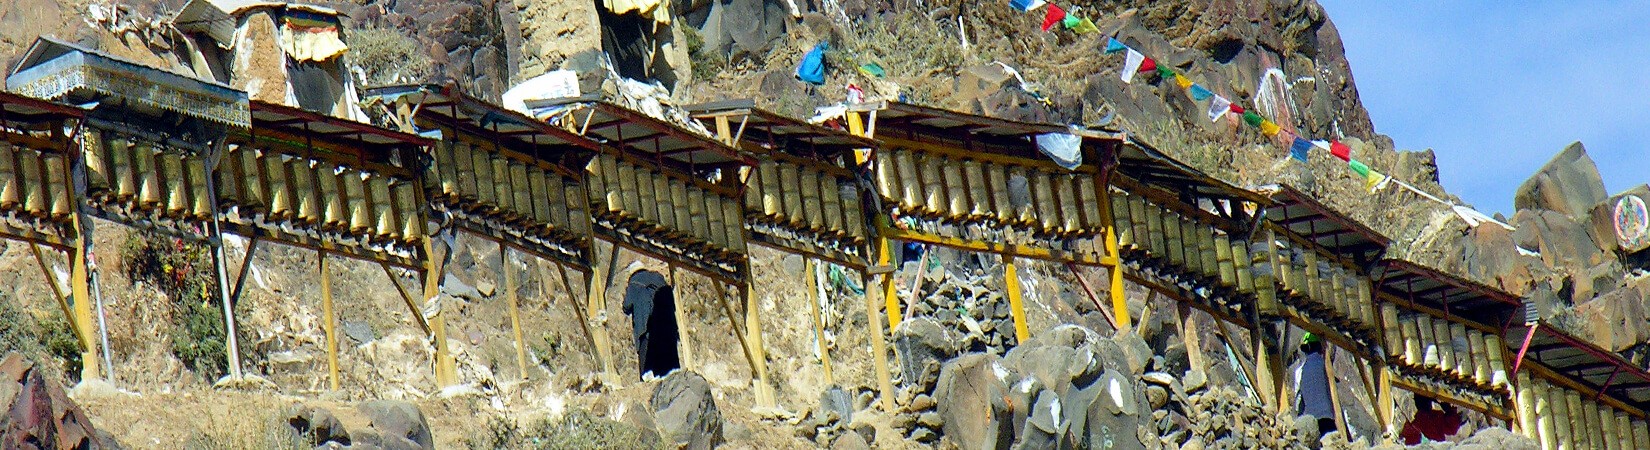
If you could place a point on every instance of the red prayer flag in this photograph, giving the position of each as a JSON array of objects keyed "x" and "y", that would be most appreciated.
[
  {"x": 1055, "y": 15},
  {"x": 1147, "y": 66},
  {"x": 1237, "y": 109},
  {"x": 1340, "y": 151}
]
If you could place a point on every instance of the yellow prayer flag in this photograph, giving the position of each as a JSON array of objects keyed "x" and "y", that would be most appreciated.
[
  {"x": 1182, "y": 81},
  {"x": 1268, "y": 128},
  {"x": 1373, "y": 179}
]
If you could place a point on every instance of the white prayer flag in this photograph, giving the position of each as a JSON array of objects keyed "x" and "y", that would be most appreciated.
[
  {"x": 1131, "y": 64},
  {"x": 1218, "y": 106}
]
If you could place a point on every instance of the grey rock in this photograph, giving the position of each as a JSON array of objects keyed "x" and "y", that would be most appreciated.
[
  {"x": 836, "y": 400},
  {"x": 318, "y": 426},
  {"x": 1568, "y": 184},
  {"x": 930, "y": 419},
  {"x": 685, "y": 411},
  {"x": 397, "y": 419},
  {"x": 969, "y": 395},
  {"x": 924, "y": 435},
  {"x": 923, "y": 345},
  {"x": 851, "y": 441}
]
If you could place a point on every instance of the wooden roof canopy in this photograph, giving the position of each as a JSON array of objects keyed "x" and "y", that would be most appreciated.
[
  {"x": 1408, "y": 282},
  {"x": 336, "y": 140},
  {"x": 1308, "y": 218},
  {"x": 774, "y": 132},
  {"x": 1602, "y": 371},
  {"x": 644, "y": 137},
  {"x": 23, "y": 118},
  {"x": 516, "y": 135},
  {"x": 959, "y": 130}
]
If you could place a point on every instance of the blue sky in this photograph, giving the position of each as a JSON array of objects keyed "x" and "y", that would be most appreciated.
[{"x": 1496, "y": 90}]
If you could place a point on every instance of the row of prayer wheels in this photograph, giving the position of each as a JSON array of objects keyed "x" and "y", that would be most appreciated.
[
  {"x": 1445, "y": 348},
  {"x": 540, "y": 203},
  {"x": 1323, "y": 288},
  {"x": 1179, "y": 243},
  {"x": 960, "y": 190},
  {"x": 1560, "y": 418},
  {"x": 34, "y": 186},
  {"x": 306, "y": 193},
  {"x": 806, "y": 200},
  {"x": 146, "y": 178},
  {"x": 672, "y": 210}
]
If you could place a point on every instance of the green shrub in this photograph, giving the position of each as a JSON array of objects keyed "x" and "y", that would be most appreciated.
[
  {"x": 183, "y": 271},
  {"x": 35, "y": 339},
  {"x": 579, "y": 429}
]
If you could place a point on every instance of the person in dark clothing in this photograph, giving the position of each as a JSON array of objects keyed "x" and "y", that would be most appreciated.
[
  {"x": 1312, "y": 385},
  {"x": 651, "y": 304}
]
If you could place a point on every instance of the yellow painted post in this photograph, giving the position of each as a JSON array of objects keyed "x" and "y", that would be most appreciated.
[
  {"x": 1113, "y": 261},
  {"x": 83, "y": 306},
  {"x": 819, "y": 322},
  {"x": 329, "y": 322},
  {"x": 890, "y": 301},
  {"x": 1385, "y": 407},
  {"x": 445, "y": 373},
  {"x": 515, "y": 307},
  {"x": 1016, "y": 306},
  {"x": 765, "y": 395},
  {"x": 879, "y": 346}
]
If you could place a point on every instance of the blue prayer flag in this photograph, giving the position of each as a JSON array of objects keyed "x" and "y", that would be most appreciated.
[
  {"x": 1113, "y": 46},
  {"x": 1299, "y": 149},
  {"x": 1025, "y": 5},
  {"x": 1200, "y": 93},
  {"x": 812, "y": 68}
]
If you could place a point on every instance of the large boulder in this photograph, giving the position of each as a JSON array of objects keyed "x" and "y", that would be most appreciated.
[
  {"x": 397, "y": 425},
  {"x": 685, "y": 411},
  {"x": 923, "y": 344},
  {"x": 1616, "y": 320},
  {"x": 318, "y": 426},
  {"x": 970, "y": 397},
  {"x": 1569, "y": 184},
  {"x": 37, "y": 415}
]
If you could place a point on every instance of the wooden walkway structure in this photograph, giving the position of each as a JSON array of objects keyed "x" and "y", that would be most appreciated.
[{"x": 196, "y": 160}]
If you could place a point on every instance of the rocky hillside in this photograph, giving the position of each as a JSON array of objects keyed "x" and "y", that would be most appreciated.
[{"x": 1283, "y": 57}]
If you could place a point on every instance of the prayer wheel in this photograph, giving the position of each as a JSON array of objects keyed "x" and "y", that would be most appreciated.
[
  {"x": 383, "y": 213},
  {"x": 464, "y": 164},
  {"x": 1392, "y": 333},
  {"x": 852, "y": 211},
  {"x": 1189, "y": 246},
  {"x": 684, "y": 212},
  {"x": 521, "y": 186},
  {"x": 200, "y": 199},
  {"x": 1089, "y": 193},
  {"x": 334, "y": 206},
  {"x": 253, "y": 197},
  {"x": 578, "y": 207},
  {"x": 410, "y": 211},
  {"x": 1595, "y": 429},
  {"x": 1366, "y": 299},
  {"x": 1174, "y": 245},
  {"x": 95, "y": 153},
  {"x": 1025, "y": 212},
  {"x": 627, "y": 186},
  {"x": 1001, "y": 199},
  {"x": 355, "y": 191},
  {"x": 956, "y": 191},
  {"x": 667, "y": 206},
  {"x": 11, "y": 184},
  {"x": 812, "y": 206},
  {"x": 933, "y": 184},
  {"x": 1430, "y": 356},
  {"x": 226, "y": 180},
  {"x": 790, "y": 189},
  {"x": 605, "y": 181},
  {"x": 753, "y": 193},
  {"x": 1123, "y": 221},
  {"x": 888, "y": 184},
  {"x": 1223, "y": 260},
  {"x": 1414, "y": 347},
  {"x": 280, "y": 198},
  {"x": 1480, "y": 357},
  {"x": 830, "y": 196},
  {"x": 1623, "y": 431},
  {"x": 1498, "y": 361},
  {"x": 486, "y": 183},
  {"x": 734, "y": 227},
  {"x": 1558, "y": 401},
  {"x": 1206, "y": 249},
  {"x": 149, "y": 187},
  {"x": 1445, "y": 344},
  {"x": 177, "y": 191},
  {"x": 1641, "y": 434},
  {"x": 1262, "y": 266},
  {"x": 718, "y": 235},
  {"x": 1044, "y": 201},
  {"x": 1139, "y": 211},
  {"x": 1071, "y": 205},
  {"x": 647, "y": 201},
  {"x": 34, "y": 183},
  {"x": 58, "y": 187},
  {"x": 308, "y": 211},
  {"x": 120, "y": 155},
  {"x": 1308, "y": 281},
  {"x": 1156, "y": 236},
  {"x": 1545, "y": 414},
  {"x": 979, "y": 190},
  {"x": 559, "y": 201},
  {"x": 773, "y": 191},
  {"x": 539, "y": 191},
  {"x": 445, "y": 171},
  {"x": 1243, "y": 263},
  {"x": 698, "y": 212},
  {"x": 1461, "y": 347},
  {"x": 503, "y": 187},
  {"x": 910, "y": 200}
]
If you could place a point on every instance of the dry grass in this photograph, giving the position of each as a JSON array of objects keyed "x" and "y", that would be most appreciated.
[
  {"x": 386, "y": 56},
  {"x": 266, "y": 432}
]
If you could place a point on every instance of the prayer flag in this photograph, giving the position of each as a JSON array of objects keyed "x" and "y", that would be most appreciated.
[
  {"x": 1237, "y": 109},
  {"x": 1218, "y": 108},
  {"x": 1055, "y": 15},
  {"x": 1340, "y": 151},
  {"x": 1374, "y": 180},
  {"x": 1359, "y": 167},
  {"x": 1249, "y": 117},
  {"x": 812, "y": 68},
  {"x": 1131, "y": 64},
  {"x": 1165, "y": 72},
  {"x": 1301, "y": 147},
  {"x": 1182, "y": 81},
  {"x": 1025, "y": 5},
  {"x": 873, "y": 70},
  {"x": 1085, "y": 26},
  {"x": 1268, "y": 128},
  {"x": 1148, "y": 65},
  {"x": 1199, "y": 93},
  {"x": 1113, "y": 46},
  {"x": 1069, "y": 22}
]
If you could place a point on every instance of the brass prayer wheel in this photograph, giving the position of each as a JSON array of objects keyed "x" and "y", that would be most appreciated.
[
  {"x": 1174, "y": 248},
  {"x": 767, "y": 176},
  {"x": 1223, "y": 260},
  {"x": 1206, "y": 248},
  {"x": 790, "y": 181},
  {"x": 698, "y": 213},
  {"x": 627, "y": 186},
  {"x": 308, "y": 211},
  {"x": 1414, "y": 348},
  {"x": 1498, "y": 362},
  {"x": 58, "y": 187},
  {"x": 734, "y": 226},
  {"x": 95, "y": 152},
  {"x": 486, "y": 183},
  {"x": 503, "y": 189},
  {"x": 177, "y": 191},
  {"x": 383, "y": 214},
  {"x": 1070, "y": 205},
  {"x": 887, "y": 176},
  {"x": 539, "y": 191},
  {"x": 665, "y": 204},
  {"x": 410, "y": 211},
  {"x": 1089, "y": 193},
  {"x": 253, "y": 197},
  {"x": 34, "y": 193},
  {"x": 979, "y": 190},
  {"x": 1480, "y": 357},
  {"x": 578, "y": 206},
  {"x": 718, "y": 229},
  {"x": 200, "y": 203},
  {"x": 522, "y": 187},
  {"x": 910, "y": 200},
  {"x": 465, "y": 167},
  {"x": 120, "y": 155},
  {"x": 812, "y": 207},
  {"x": 11, "y": 184},
  {"x": 1244, "y": 267},
  {"x": 679, "y": 197},
  {"x": 852, "y": 215},
  {"x": 1001, "y": 199},
  {"x": 149, "y": 187},
  {"x": 280, "y": 199},
  {"x": 647, "y": 205},
  {"x": 830, "y": 196},
  {"x": 933, "y": 184},
  {"x": 355, "y": 190},
  {"x": 1393, "y": 337},
  {"x": 957, "y": 191},
  {"x": 334, "y": 207},
  {"x": 444, "y": 172}
]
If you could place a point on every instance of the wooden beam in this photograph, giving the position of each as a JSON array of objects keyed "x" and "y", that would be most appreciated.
[
  {"x": 406, "y": 297},
  {"x": 879, "y": 345},
  {"x": 813, "y": 286},
  {"x": 329, "y": 321},
  {"x": 446, "y": 374},
  {"x": 885, "y": 249},
  {"x": 515, "y": 307},
  {"x": 1022, "y": 331}
]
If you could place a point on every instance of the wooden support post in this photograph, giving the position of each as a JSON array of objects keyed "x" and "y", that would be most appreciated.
[
  {"x": 1385, "y": 406},
  {"x": 890, "y": 301},
  {"x": 684, "y": 338},
  {"x": 406, "y": 297},
  {"x": 1268, "y": 367},
  {"x": 1015, "y": 304},
  {"x": 329, "y": 321},
  {"x": 765, "y": 395},
  {"x": 1334, "y": 390},
  {"x": 879, "y": 344},
  {"x": 1189, "y": 336},
  {"x": 445, "y": 373},
  {"x": 79, "y": 286},
  {"x": 67, "y": 305},
  {"x": 220, "y": 263},
  {"x": 824, "y": 349},
  {"x": 515, "y": 307},
  {"x": 603, "y": 355}
]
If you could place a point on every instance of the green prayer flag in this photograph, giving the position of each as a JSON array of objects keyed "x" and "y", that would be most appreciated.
[
  {"x": 1359, "y": 167},
  {"x": 1070, "y": 22},
  {"x": 1165, "y": 72},
  {"x": 873, "y": 70},
  {"x": 1252, "y": 119}
]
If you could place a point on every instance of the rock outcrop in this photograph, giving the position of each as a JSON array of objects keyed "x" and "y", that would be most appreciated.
[
  {"x": 37, "y": 414},
  {"x": 685, "y": 411}
]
